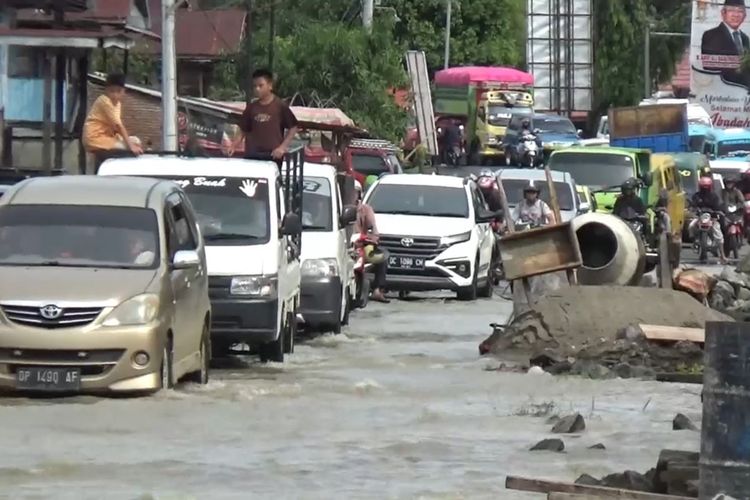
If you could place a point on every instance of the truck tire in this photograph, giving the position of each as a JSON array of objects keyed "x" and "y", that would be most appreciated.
[
  {"x": 274, "y": 350},
  {"x": 291, "y": 332}
]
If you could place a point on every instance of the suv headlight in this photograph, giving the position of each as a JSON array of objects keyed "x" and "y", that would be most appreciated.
[
  {"x": 139, "y": 310},
  {"x": 256, "y": 286},
  {"x": 447, "y": 241},
  {"x": 320, "y": 268}
]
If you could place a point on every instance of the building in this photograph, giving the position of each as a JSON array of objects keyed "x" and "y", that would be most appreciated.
[{"x": 45, "y": 47}]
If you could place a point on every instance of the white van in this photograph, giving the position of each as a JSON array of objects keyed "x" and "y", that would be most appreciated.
[
  {"x": 251, "y": 238},
  {"x": 327, "y": 266}
]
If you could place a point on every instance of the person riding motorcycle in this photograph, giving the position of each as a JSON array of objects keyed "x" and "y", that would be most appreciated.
[
  {"x": 450, "y": 141},
  {"x": 527, "y": 131},
  {"x": 731, "y": 194},
  {"x": 532, "y": 210},
  {"x": 705, "y": 198},
  {"x": 365, "y": 225},
  {"x": 629, "y": 201},
  {"x": 487, "y": 183}
]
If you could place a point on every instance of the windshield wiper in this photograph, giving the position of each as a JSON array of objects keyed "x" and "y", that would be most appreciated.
[
  {"x": 606, "y": 189},
  {"x": 230, "y": 236},
  {"x": 311, "y": 226}
]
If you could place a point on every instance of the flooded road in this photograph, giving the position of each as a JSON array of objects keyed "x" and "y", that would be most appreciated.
[{"x": 399, "y": 406}]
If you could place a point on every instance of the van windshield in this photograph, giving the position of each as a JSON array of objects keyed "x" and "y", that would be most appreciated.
[
  {"x": 514, "y": 191},
  {"x": 596, "y": 170},
  {"x": 734, "y": 146},
  {"x": 231, "y": 211},
  {"x": 79, "y": 236},
  {"x": 316, "y": 204},
  {"x": 431, "y": 201},
  {"x": 369, "y": 164}
]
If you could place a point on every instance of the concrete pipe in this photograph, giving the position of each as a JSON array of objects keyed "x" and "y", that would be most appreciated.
[{"x": 612, "y": 253}]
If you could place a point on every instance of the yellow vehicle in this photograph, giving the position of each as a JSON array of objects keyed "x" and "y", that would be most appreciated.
[{"x": 585, "y": 196}]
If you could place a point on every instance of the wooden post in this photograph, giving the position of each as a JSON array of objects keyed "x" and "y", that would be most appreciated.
[
  {"x": 47, "y": 114},
  {"x": 510, "y": 226},
  {"x": 83, "y": 98},
  {"x": 60, "y": 73},
  {"x": 558, "y": 216}
]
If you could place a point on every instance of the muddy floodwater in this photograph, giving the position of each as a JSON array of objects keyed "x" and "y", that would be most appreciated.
[{"x": 399, "y": 406}]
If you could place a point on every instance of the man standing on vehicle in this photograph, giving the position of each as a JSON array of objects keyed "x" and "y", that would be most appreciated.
[
  {"x": 706, "y": 199},
  {"x": 268, "y": 125},
  {"x": 629, "y": 200},
  {"x": 532, "y": 210},
  {"x": 365, "y": 225}
]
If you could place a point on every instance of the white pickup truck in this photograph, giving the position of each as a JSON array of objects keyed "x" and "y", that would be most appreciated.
[{"x": 252, "y": 229}]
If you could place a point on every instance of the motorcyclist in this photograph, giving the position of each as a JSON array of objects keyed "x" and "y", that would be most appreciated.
[
  {"x": 706, "y": 199},
  {"x": 629, "y": 201},
  {"x": 731, "y": 194},
  {"x": 527, "y": 132},
  {"x": 744, "y": 184},
  {"x": 450, "y": 140},
  {"x": 365, "y": 225},
  {"x": 533, "y": 210},
  {"x": 487, "y": 183}
]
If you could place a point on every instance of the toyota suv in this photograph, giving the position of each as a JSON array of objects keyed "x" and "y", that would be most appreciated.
[
  {"x": 104, "y": 286},
  {"x": 437, "y": 232}
]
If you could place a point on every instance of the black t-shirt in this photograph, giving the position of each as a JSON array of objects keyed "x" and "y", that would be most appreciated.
[{"x": 265, "y": 125}]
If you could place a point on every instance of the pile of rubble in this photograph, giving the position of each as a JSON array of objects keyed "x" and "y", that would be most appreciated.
[
  {"x": 731, "y": 293},
  {"x": 593, "y": 331}
]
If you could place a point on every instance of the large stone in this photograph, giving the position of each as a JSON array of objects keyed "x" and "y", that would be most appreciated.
[
  {"x": 743, "y": 293},
  {"x": 722, "y": 296},
  {"x": 744, "y": 265},
  {"x": 682, "y": 422},
  {"x": 590, "y": 369},
  {"x": 549, "y": 445},
  {"x": 734, "y": 278},
  {"x": 597, "y": 446},
  {"x": 587, "y": 480},
  {"x": 630, "y": 332},
  {"x": 628, "y": 480},
  {"x": 570, "y": 425}
]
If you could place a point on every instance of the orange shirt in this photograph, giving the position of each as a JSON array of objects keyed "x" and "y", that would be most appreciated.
[{"x": 99, "y": 129}]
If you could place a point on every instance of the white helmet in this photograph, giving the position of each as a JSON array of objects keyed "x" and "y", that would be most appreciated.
[{"x": 357, "y": 185}]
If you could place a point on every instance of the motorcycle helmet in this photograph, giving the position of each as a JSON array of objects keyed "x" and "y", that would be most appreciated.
[
  {"x": 730, "y": 179},
  {"x": 526, "y": 123},
  {"x": 530, "y": 188},
  {"x": 629, "y": 185},
  {"x": 706, "y": 183},
  {"x": 370, "y": 180}
]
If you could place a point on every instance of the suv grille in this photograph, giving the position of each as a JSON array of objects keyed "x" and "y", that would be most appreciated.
[
  {"x": 427, "y": 248},
  {"x": 69, "y": 317}
]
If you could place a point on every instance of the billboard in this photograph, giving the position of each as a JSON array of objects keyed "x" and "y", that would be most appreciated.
[
  {"x": 718, "y": 42},
  {"x": 559, "y": 54}
]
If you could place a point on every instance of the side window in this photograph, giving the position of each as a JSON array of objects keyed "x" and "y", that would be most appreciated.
[
  {"x": 280, "y": 207},
  {"x": 707, "y": 148},
  {"x": 192, "y": 222},
  {"x": 479, "y": 202},
  {"x": 182, "y": 231},
  {"x": 482, "y": 113}
]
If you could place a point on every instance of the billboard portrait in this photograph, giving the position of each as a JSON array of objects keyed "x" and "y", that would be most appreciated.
[{"x": 718, "y": 43}]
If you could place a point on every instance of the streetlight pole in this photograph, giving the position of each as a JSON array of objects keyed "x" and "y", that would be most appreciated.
[
  {"x": 448, "y": 8},
  {"x": 368, "y": 11},
  {"x": 168, "y": 76},
  {"x": 647, "y": 54}
]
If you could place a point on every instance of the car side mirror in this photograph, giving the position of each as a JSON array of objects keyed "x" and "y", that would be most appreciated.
[
  {"x": 584, "y": 207},
  {"x": 579, "y": 132},
  {"x": 186, "y": 259},
  {"x": 349, "y": 215},
  {"x": 647, "y": 178},
  {"x": 291, "y": 225}
]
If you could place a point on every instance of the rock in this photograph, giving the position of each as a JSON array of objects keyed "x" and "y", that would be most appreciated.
[
  {"x": 559, "y": 368},
  {"x": 536, "y": 370},
  {"x": 682, "y": 422},
  {"x": 640, "y": 371},
  {"x": 743, "y": 293},
  {"x": 630, "y": 332},
  {"x": 570, "y": 424},
  {"x": 741, "y": 306},
  {"x": 722, "y": 296},
  {"x": 597, "y": 446},
  {"x": 623, "y": 370},
  {"x": 628, "y": 480},
  {"x": 546, "y": 358},
  {"x": 549, "y": 445},
  {"x": 587, "y": 480},
  {"x": 553, "y": 419},
  {"x": 590, "y": 369},
  {"x": 734, "y": 278},
  {"x": 744, "y": 265}
]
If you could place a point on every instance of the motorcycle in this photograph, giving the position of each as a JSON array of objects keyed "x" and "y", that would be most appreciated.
[
  {"x": 704, "y": 241},
  {"x": 490, "y": 189},
  {"x": 529, "y": 151},
  {"x": 734, "y": 231},
  {"x": 746, "y": 219},
  {"x": 361, "y": 268}
]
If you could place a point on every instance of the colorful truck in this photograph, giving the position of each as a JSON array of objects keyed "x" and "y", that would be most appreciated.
[
  {"x": 484, "y": 99},
  {"x": 661, "y": 128}
]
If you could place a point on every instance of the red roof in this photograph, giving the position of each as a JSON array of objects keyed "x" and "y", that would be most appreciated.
[
  {"x": 204, "y": 33},
  {"x": 681, "y": 78},
  {"x": 466, "y": 75}
]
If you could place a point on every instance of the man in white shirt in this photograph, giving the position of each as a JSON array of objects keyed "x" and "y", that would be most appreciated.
[{"x": 532, "y": 210}]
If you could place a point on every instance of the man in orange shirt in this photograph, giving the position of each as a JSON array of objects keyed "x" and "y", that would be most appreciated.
[{"x": 104, "y": 135}]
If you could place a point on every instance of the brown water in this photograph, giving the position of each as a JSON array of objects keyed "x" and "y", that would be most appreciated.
[{"x": 400, "y": 406}]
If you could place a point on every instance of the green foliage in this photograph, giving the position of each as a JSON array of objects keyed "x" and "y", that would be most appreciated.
[{"x": 142, "y": 64}]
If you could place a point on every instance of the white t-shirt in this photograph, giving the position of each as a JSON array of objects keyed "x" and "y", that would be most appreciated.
[{"x": 536, "y": 213}]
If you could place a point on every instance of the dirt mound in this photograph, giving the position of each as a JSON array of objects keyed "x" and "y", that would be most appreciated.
[{"x": 572, "y": 318}]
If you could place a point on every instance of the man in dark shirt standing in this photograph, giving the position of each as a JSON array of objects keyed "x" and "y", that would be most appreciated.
[{"x": 268, "y": 125}]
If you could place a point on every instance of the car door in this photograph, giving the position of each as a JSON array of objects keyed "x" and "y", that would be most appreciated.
[
  {"x": 343, "y": 257},
  {"x": 184, "y": 327},
  {"x": 483, "y": 230},
  {"x": 288, "y": 256},
  {"x": 199, "y": 287}
]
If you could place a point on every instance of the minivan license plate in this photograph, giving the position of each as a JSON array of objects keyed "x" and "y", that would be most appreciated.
[
  {"x": 398, "y": 261},
  {"x": 48, "y": 379}
]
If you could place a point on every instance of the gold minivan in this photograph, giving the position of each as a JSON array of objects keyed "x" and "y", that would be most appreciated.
[{"x": 103, "y": 286}]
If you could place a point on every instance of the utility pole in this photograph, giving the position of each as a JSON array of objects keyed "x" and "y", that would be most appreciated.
[
  {"x": 248, "y": 80},
  {"x": 271, "y": 34},
  {"x": 168, "y": 76},
  {"x": 368, "y": 11},
  {"x": 647, "y": 54},
  {"x": 448, "y": 9}
]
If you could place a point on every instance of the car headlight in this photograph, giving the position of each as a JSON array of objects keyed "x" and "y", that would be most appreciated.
[
  {"x": 139, "y": 310},
  {"x": 256, "y": 286},
  {"x": 447, "y": 241},
  {"x": 320, "y": 268}
]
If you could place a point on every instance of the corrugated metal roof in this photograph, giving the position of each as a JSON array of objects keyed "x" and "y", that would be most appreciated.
[{"x": 204, "y": 33}]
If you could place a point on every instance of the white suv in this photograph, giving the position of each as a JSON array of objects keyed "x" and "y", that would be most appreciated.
[{"x": 437, "y": 232}]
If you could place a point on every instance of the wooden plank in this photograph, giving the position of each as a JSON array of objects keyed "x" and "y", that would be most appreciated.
[
  {"x": 544, "y": 486},
  {"x": 673, "y": 333}
]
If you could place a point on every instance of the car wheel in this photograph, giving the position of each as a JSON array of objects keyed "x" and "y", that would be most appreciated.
[
  {"x": 489, "y": 287},
  {"x": 201, "y": 376},
  {"x": 291, "y": 332},
  {"x": 274, "y": 350},
  {"x": 469, "y": 292},
  {"x": 347, "y": 307},
  {"x": 167, "y": 373}
]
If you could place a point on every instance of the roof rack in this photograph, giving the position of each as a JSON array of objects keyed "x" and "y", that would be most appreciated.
[{"x": 373, "y": 144}]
